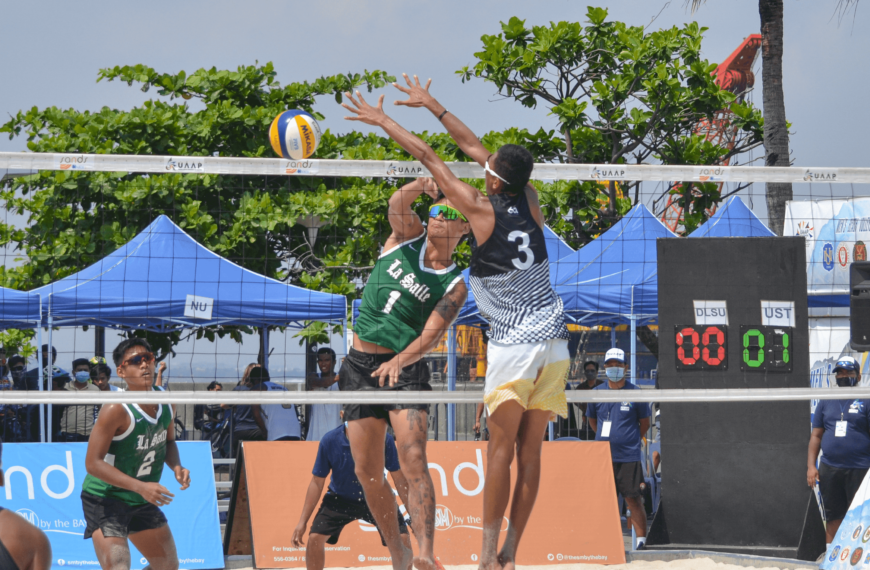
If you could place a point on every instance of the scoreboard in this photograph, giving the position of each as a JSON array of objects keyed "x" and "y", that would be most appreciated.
[
  {"x": 733, "y": 314},
  {"x": 761, "y": 348}
]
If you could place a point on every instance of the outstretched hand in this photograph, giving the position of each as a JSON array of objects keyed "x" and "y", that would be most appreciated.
[
  {"x": 430, "y": 188},
  {"x": 363, "y": 111},
  {"x": 418, "y": 96}
]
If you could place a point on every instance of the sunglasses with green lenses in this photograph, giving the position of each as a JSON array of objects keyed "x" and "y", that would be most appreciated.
[{"x": 448, "y": 212}]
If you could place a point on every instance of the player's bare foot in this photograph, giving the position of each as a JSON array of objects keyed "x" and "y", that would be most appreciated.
[
  {"x": 490, "y": 565},
  {"x": 421, "y": 563},
  {"x": 407, "y": 558},
  {"x": 506, "y": 563}
]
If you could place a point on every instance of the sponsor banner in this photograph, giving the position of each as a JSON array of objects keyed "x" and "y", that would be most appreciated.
[
  {"x": 615, "y": 172},
  {"x": 571, "y": 523},
  {"x": 44, "y": 484},
  {"x": 405, "y": 169},
  {"x": 711, "y": 174},
  {"x": 851, "y": 547},
  {"x": 836, "y": 232},
  {"x": 75, "y": 162}
]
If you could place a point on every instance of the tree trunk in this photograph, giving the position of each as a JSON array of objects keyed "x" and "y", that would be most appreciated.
[{"x": 775, "y": 129}]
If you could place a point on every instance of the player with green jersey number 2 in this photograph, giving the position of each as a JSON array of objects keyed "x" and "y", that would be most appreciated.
[
  {"x": 413, "y": 294},
  {"x": 126, "y": 452}
]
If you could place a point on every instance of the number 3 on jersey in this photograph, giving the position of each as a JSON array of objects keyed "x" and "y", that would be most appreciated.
[{"x": 525, "y": 252}]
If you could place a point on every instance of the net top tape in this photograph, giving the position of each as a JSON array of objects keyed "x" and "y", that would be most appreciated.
[
  {"x": 406, "y": 397},
  {"x": 399, "y": 169}
]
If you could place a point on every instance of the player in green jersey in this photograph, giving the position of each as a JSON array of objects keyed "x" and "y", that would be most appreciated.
[
  {"x": 413, "y": 294},
  {"x": 126, "y": 452}
]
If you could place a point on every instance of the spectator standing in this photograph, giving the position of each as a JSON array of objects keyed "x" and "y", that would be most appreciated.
[
  {"x": 245, "y": 427},
  {"x": 623, "y": 425},
  {"x": 590, "y": 382},
  {"x": 206, "y": 415},
  {"x": 344, "y": 501},
  {"x": 841, "y": 429},
  {"x": 78, "y": 421},
  {"x": 101, "y": 374},
  {"x": 31, "y": 377},
  {"x": 16, "y": 365},
  {"x": 278, "y": 422},
  {"x": 324, "y": 417}
]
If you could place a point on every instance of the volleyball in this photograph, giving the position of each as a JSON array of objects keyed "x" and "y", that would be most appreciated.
[{"x": 294, "y": 134}]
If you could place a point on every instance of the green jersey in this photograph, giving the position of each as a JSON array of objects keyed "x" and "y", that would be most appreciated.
[
  {"x": 138, "y": 452},
  {"x": 400, "y": 295}
]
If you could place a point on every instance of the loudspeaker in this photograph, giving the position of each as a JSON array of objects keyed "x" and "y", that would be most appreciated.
[{"x": 859, "y": 306}]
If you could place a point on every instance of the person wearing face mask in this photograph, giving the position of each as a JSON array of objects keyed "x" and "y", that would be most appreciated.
[
  {"x": 78, "y": 421},
  {"x": 623, "y": 424},
  {"x": 841, "y": 430}
]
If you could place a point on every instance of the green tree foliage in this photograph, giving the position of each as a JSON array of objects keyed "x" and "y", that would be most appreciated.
[{"x": 620, "y": 95}]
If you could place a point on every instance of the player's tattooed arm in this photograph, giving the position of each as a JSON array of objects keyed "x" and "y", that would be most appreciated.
[{"x": 445, "y": 312}]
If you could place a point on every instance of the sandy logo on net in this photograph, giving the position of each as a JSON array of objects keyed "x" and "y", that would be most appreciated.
[
  {"x": 75, "y": 162},
  {"x": 301, "y": 167}
]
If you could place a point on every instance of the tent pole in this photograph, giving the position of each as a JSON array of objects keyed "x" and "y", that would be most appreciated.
[
  {"x": 633, "y": 340},
  {"x": 264, "y": 346},
  {"x": 40, "y": 380},
  {"x": 50, "y": 381},
  {"x": 613, "y": 335},
  {"x": 451, "y": 382}
]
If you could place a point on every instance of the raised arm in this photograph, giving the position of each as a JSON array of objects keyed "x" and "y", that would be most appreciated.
[
  {"x": 467, "y": 199},
  {"x": 419, "y": 96},
  {"x": 446, "y": 311},
  {"x": 403, "y": 220}
]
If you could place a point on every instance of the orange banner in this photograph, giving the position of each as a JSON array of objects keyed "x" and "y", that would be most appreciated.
[{"x": 575, "y": 519}]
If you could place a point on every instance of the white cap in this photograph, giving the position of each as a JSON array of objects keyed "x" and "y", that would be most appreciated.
[{"x": 615, "y": 354}]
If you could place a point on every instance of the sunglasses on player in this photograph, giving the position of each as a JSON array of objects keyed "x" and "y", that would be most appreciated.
[
  {"x": 448, "y": 212},
  {"x": 146, "y": 357},
  {"x": 486, "y": 168}
]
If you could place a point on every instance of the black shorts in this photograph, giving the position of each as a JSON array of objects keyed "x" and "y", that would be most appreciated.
[
  {"x": 838, "y": 487},
  {"x": 335, "y": 513},
  {"x": 628, "y": 477},
  {"x": 117, "y": 518},
  {"x": 356, "y": 375}
]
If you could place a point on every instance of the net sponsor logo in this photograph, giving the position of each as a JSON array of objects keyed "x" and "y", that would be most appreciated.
[
  {"x": 173, "y": 165},
  {"x": 399, "y": 170},
  {"x": 607, "y": 173},
  {"x": 300, "y": 167},
  {"x": 818, "y": 175},
  {"x": 707, "y": 174},
  {"x": 577, "y": 557},
  {"x": 64, "y": 562},
  {"x": 75, "y": 162}
]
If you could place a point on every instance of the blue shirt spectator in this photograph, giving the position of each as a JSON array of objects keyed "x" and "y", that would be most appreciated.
[
  {"x": 624, "y": 418},
  {"x": 852, "y": 449},
  {"x": 333, "y": 454},
  {"x": 243, "y": 417}
]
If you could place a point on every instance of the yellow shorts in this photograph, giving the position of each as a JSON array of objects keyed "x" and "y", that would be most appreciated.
[{"x": 533, "y": 374}]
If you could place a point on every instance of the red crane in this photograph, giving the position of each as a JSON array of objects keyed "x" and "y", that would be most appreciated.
[{"x": 735, "y": 75}]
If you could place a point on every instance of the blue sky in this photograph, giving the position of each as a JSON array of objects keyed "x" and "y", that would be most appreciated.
[{"x": 54, "y": 50}]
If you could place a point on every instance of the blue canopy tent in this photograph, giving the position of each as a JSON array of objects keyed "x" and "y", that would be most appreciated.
[
  {"x": 163, "y": 280},
  {"x": 614, "y": 279},
  {"x": 733, "y": 219}
]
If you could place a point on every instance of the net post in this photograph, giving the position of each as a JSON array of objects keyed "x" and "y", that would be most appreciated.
[
  {"x": 40, "y": 379},
  {"x": 264, "y": 346},
  {"x": 451, "y": 382},
  {"x": 50, "y": 381},
  {"x": 633, "y": 349}
]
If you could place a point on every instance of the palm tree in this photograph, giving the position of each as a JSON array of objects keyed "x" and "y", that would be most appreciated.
[{"x": 775, "y": 126}]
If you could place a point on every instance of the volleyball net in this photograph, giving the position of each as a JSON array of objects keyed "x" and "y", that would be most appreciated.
[{"x": 226, "y": 262}]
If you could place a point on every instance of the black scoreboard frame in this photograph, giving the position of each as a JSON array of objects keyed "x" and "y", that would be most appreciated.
[{"x": 733, "y": 474}]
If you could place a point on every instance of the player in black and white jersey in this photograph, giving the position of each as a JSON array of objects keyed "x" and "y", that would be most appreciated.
[{"x": 527, "y": 354}]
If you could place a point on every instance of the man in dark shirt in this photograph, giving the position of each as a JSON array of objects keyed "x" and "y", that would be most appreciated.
[
  {"x": 245, "y": 426},
  {"x": 344, "y": 501},
  {"x": 841, "y": 429},
  {"x": 623, "y": 425},
  {"x": 590, "y": 375}
]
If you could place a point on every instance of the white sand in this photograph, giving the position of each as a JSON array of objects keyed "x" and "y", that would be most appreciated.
[{"x": 689, "y": 564}]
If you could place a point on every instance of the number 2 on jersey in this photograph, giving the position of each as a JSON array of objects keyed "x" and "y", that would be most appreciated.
[
  {"x": 394, "y": 296},
  {"x": 523, "y": 249},
  {"x": 145, "y": 469}
]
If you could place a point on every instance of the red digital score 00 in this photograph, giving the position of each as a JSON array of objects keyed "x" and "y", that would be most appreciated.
[{"x": 705, "y": 347}]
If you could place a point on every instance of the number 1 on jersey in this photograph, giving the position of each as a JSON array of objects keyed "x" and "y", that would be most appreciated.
[
  {"x": 394, "y": 296},
  {"x": 523, "y": 249}
]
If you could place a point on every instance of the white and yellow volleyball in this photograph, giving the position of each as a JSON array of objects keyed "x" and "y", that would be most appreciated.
[{"x": 294, "y": 134}]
